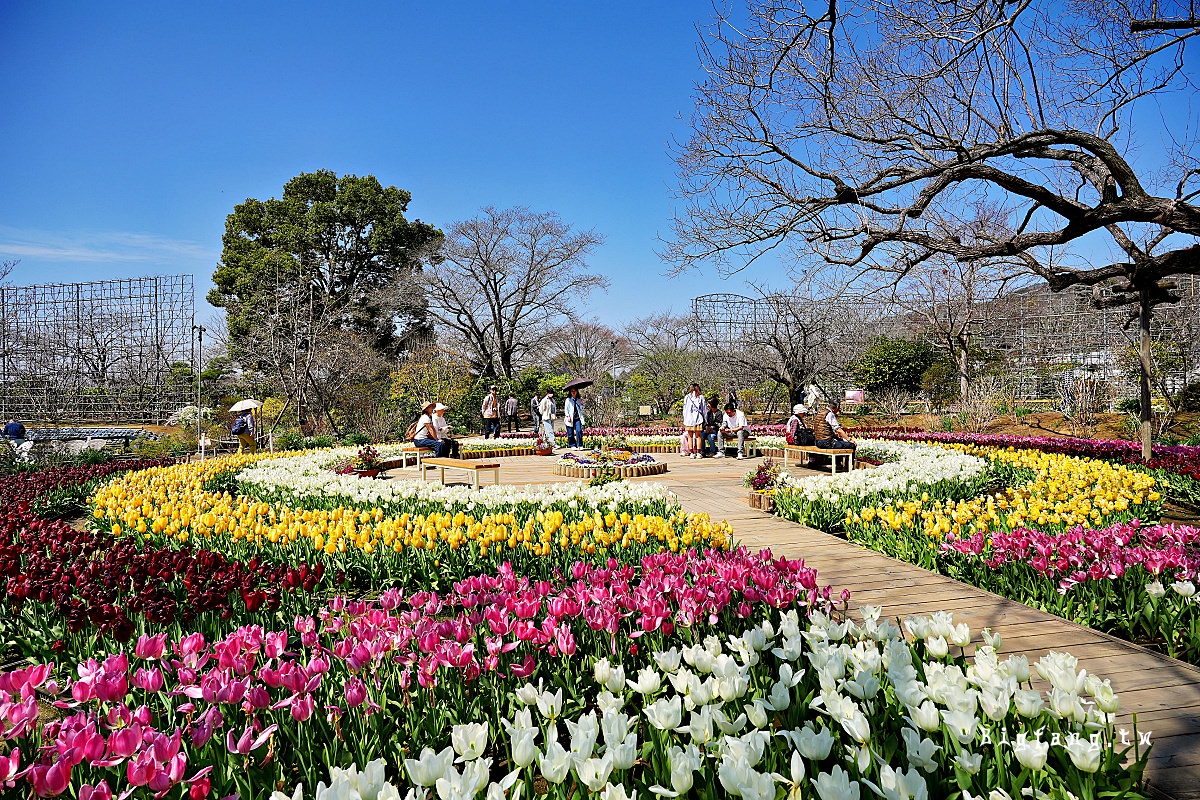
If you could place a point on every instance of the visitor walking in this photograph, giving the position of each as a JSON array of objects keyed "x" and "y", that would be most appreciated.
[
  {"x": 425, "y": 433},
  {"x": 547, "y": 413},
  {"x": 712, "y": 424},
  {"x": 733, "y": 426},
  {"x": 535, "y": 413},
  {"x": 693, "y": 419},
  {"x": 573, "y": 417},
  {"x": 443, "y": 430},
  {"x": 243, "y": 429},
  {"x": 491, "y": 414},
  {"x": 15, "y": 433},
  {"x": 510, "y": 412}
]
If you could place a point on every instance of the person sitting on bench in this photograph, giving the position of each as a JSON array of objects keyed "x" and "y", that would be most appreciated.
[
  {"x": 443, "y": 430},
  {"x": 733, "y": 424},
  {"x": 426, "y": 435},
  {"x": 797, "y": 431},
  {"x": 838, "y": 438}
]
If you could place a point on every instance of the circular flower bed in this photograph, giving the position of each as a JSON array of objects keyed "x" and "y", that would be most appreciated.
[{"x": 625, "y": 463}]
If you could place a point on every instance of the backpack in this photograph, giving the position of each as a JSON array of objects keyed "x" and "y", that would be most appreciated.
[
  {"x": 240, "y": 426},
  {"x": 410, "y": 433}
]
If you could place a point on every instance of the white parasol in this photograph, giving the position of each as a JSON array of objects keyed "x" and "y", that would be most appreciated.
[{"x": 249, "y": 404}]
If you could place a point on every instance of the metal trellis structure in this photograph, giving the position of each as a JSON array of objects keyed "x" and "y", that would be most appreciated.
[{"x": 101, "y": 351}]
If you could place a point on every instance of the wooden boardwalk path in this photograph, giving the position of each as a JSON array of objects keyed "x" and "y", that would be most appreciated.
[{"x": 1162, "y": 692}]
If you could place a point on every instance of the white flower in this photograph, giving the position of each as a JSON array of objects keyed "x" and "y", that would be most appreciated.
[
  {"x": 1184, "y": 588},
  {"x": 1085, "y": 754},
  {"x": 1155, "y": 589},
  {"x": 497, "y": 791},
  {"x": 1059, "y": 670},
  {"x": 896, "y": 784},
  {"x": 920, "y": 751},
  {"x": 550, "y": 705},
  {"x": 528, "y": 694},
  {"x": 609, "y": 703},
  {"x": 992, "y": 640},
  {"x": 469, "y": 741},
  {"x": 665, "y": 714},
  {"x": 1028, "y": 702},
  {"x": 616, "y": 792},
  {"x": 756, "y": 712},
  {"x": 429, "y": 767},
  {"x": 594, "y": 772},
  {"x": 615, "y": 727},
  {"x": 963, "y": 725},
  {"x": 938, "y": 648},
  {"x": 667, "y": 661},
  {"x": 624, "y": 754},
  {"x": 836, "y": 785},
  {"x": 583, "y": 735},
  {"x": 1106, "y": 699},
  {"x": 648, "y": 682},
  {"x": 969, "y": 762},
  {"x": 925, "y": 717},
  {"x": 813, "y": 744},
  {"x": 602, "y": 671},
  {"x": 1031, "y": 753},
  {"x": 616, "y": 679},
  {"x": 555, "y": 763}
]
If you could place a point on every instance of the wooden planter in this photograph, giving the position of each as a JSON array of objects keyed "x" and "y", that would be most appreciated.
[
  {"x": 628, "y": 471},
  {"x": 765, "y": 502},
  {"x": 366, "y": 473},
  {"x": 544, "y": 452}
]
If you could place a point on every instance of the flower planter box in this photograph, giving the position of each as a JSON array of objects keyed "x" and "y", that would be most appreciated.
[
  {"x": 367, "y": 473},
  {"x": 544, "y": 452},
  {"x": 627, "y": 471},
  {"x": 765, "y": 502},
  {"x": 499, "y": 452}
]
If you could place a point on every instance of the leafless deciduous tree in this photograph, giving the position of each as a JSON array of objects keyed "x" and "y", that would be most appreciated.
[
  {"x": 505, "y": 278},
  {"x": 865, "y": 128},
  {"x": 583, "y": 349},
  {"x": 666, "y": 353}
]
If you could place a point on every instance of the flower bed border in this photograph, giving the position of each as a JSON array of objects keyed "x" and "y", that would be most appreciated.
[{"x": 625, "y": 471}]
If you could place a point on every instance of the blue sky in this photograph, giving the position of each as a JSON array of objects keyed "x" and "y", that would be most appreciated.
[{"x": 131, "y": 130}]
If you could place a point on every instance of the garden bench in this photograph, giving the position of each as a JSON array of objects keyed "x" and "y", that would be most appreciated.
[
  {"x": 751, "y": 446},
  {"x": 473, "y": 467},
  {"x": 406, "y": 451},
  {"x": 807, "y": 449}
]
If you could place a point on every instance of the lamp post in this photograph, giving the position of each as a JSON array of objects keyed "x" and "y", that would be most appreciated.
[{"x": 199, "y": 330}]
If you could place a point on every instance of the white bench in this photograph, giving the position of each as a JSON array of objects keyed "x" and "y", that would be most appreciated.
[
  {"x": 809, "y": 449},
  {"x": 751, "y": 443},
  {"x": 473, "y": 467}
]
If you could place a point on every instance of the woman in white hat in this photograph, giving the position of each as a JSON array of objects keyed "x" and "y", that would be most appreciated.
[
  {"x": 443, "y": 430},
  {"x": 426, "y": 434}
]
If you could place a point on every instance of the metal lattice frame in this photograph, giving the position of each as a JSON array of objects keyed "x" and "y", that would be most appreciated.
[
  {"x": 1043, "y": 336},
  {"x": 97, "y": 352}
]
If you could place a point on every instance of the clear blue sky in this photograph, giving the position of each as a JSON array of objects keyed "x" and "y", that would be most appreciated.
[{"x": 130, "y": 130}]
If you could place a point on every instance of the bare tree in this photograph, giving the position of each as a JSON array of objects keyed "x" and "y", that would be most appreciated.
[
  {"x": 506, "y": 277},
  {"x": 586, "y": 350},
  {"x": 863, "y": 128},
  {"x": 664, "y": 351}
]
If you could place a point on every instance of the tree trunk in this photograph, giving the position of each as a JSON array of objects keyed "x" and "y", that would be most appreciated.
[
  {"x": 1145, "y": 416},
  {"x": 962, "y": 360}
]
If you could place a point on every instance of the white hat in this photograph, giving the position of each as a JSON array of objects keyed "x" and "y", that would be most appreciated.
[
  {"x": 799, "y": 409},
  {"x": 438, "y": 407}
]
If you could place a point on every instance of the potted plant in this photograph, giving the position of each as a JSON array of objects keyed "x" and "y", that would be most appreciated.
[
  {"x": 545, "y": 444},
  {"x": 367, "y": 463}
]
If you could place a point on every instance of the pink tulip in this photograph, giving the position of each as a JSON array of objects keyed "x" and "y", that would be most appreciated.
[
  {"x": 355, "y": 691},
  {"x": 302, "y": 707},
  {"x": 148, "y": 680},
  {"x": 9, "y": 766},
  {"x": 150, "y": 648}
]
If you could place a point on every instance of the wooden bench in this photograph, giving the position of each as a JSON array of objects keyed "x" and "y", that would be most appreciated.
[
  {"x": 406, "y": 451},
  {"x": 751, "y": 445},
  {"x": 473, "y": 467},
  {"x": 808, "y": 449}
]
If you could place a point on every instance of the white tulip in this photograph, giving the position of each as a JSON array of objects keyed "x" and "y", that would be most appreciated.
[
  {"x": 1085, "y": 754},
  {"x": 1184, "y": 588},
  {"x": 616, "y": 679},
  {"x": 1155, "y": 589},
  {"x": 963, "y": 725},
  {"x": 667, "y": 661},
  {"x": 555, "y": 763},
  {"x": 425, "y": 770},
  {"x": 648, "y": 682},
  {"x": 1030, "y": 753},
  {"x": 583, "y": 735},
  {"x": 469, "y": 741},
  {"x": 925, "y": 717},
  {"x": 813, "y": 744},
  {"x": 1028, "y": 702},
  {"x": 550, "y": 705},
  {"x": 615, "y": 727},
  {"x": 527, "y": 694},
  {"x": 756, "y": 712},
  {"x": 969, "y": 762},
  {"x": 609, "y": 703},
  {"x": 616, "y": 792},
  {"x": 594, "y": 772},
  {"x": 992, "y": 640},
  {"x": 625, "y": 753},
  {"x": 665, "y": 714},
  {"x": 836, "y": 785},
  {"x": 920, "y": 751},
  {"x": 937, "y": 646}
]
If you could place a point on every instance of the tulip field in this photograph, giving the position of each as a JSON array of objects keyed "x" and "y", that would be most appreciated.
[
  {"x": 1066, "y": 528},
  {"x": 263, "y": 627}
]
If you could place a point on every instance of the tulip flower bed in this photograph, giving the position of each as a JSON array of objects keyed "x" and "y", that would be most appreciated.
[
  {"x": 707, "y": 673},
  {"x": 1176, "y": 468},
  {"x": 1109, "y": 579},
  {"x": 382, "y": 534},
  {"x": 66, "y": 589},
  {"x": 905, "y": 470}
]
